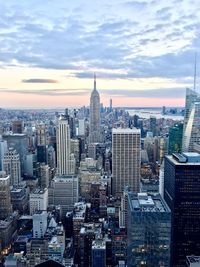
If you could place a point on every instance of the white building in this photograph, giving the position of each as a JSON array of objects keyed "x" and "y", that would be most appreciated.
[
  {"x": 126, "y": 160},
  {"x": 39, "y": 224},
  {"x": 38, "y": 200},
  {"x": 12, "y": 166},
  {"x": 64, "y": 164}
]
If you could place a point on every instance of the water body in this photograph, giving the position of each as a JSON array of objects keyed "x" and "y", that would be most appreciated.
[{"x": 146, "y": 114}]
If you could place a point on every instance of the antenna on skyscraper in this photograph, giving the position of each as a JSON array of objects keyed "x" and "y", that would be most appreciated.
[
  {"x": 195, "y": 70},
  {"x": 94, "y": 81}
]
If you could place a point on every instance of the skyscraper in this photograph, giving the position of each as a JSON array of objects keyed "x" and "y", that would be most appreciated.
[
  {"x": 3, "y": 149},
  {"x": 191, "y": 129},
  {"x": 5, "y": 198},
  {"x": 63, "y": 147},
  {"x": 94, "y": 136},
  {"x": 125, "y": 160},
  {"x": 11, "y": 165},
  {"x": 181, "y": 192},
  {"x": 175, "y": 138},
  {"x": 149, "y": 229}
]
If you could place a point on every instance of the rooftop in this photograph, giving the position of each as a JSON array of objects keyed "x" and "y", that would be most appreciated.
[
  {"x": 186, "y": 158},
  {"x": 125, "y": 130},
  {"x": 142, "y": 202},
  {"x": 193, "y": 259},
  {"x": 99, "y": 244}
]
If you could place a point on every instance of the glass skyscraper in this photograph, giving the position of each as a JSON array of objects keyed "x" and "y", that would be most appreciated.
[
  {"x": 149, "y": 226},
  {"x": 175, "y": 138},
  {"x": 191, "y": 130},
  {"x": 182, "y": 194}
]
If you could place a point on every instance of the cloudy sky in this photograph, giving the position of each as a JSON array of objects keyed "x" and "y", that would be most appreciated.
[{"x": 142, "y": 51}]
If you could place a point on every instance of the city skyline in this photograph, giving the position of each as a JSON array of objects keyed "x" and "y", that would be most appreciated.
[{"x": 143, "y": 56}]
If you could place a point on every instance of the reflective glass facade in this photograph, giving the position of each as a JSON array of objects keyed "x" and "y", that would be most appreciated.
[
  {"x": 149, "y": 226},
  {"x": 182, "y": 194}
]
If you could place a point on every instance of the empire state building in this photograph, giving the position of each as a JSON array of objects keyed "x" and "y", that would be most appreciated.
[{"x": 95, "y": 135}]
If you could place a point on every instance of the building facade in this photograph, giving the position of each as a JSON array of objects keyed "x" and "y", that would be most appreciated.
[
  {"x": 125, "y": 160},
  {"x": 12, "y": 166},
  {"x": 149, "y": 227},
  {"x": 191, "y": 128},
  {"x": 181, "y": 192}
]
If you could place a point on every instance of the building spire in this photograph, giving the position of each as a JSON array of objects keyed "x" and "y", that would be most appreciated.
[{"x": 95, "y": 81}]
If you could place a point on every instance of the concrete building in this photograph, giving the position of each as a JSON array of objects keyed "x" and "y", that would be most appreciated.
[
  {"x": 5, "y": 197},
  {"x": 38, "y": 200},
  {"x": 44, "y": 175},
  {"x": 41, "y": 135},
  {"x": 17, "y": 127},
  {"x": 149, "y": 228},
  {"x": 11, "y": 165},
  {"x": 64, "y": 166},
  {"x": 87, "y": 177},
  {"x": 8, "y": 231},
  {"x": 64, "y": 192},
  {"x": 125, "y": 160},
  {"x": 20, "y": 143},
  {"x": 81, "y": 127},
  {"x": 20, "y": 198},
  {"x": 39, "y": 224}
]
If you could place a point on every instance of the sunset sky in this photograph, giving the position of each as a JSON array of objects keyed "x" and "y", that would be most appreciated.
[{"x": 142, "y": 51}]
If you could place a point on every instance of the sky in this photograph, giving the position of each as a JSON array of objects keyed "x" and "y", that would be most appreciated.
[{"x": 142, "y": 52}]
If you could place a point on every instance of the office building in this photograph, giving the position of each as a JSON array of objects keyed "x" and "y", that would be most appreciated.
[
  {"x": 3, "y": 150},
  {"x": 17, "y": 127},
  {"x": 65, "y": 192},
  {"x": 44, "y": 175},
  {"x": 94, "y": 135},
  {"x": 12, "y": 166},
  {"x": 191, "y": 128},
  {"x": 5, "y": 198},
  {"x": 41, "y": 135},
  {"x": 81, "y": 127},
  {"x": 20, "y": 199},
  {"x": 149, "y": 227},
  {"x": 64, "y": 164},
  {"x": 39, "y": 224},
  {"x": 181, "y": 192},
  {"x": 20, "y": 143},
  {"x": 125, "y": 160},
  {"x": 8, "y": 230},
  {"x": 99, "y": 253},
  {"x": 175, "y": 138},
  {"x": 38, "y": 200},
  {"x": 152, "y": 125}
]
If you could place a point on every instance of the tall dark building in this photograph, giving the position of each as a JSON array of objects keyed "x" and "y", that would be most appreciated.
[
  {"x": 17, "y": 127},
  {"x": 153, "y": 125},
  {"x": 182, "y": 194}
]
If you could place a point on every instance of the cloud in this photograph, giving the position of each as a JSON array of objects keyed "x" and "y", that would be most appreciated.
[
  {"x": 169, "y": 93},
  {"x": 158, "y": 41},
  {"x": 39, "y": 81},
  {"x": 47, "y": 92}
]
